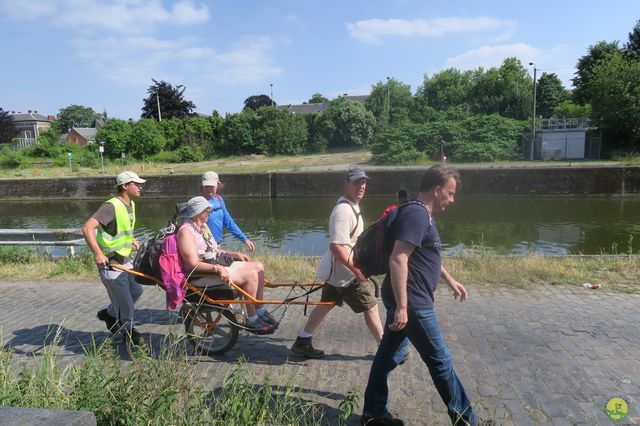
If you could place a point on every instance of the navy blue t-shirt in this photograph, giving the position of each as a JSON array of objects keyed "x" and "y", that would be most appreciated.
[{"x": 415, "y": 226}]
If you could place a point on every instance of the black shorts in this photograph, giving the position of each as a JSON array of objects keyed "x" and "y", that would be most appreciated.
[{"x": 359, "y": 296}]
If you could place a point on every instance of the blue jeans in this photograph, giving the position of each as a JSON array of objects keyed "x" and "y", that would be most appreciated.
[{"x": 423, "y": 331}]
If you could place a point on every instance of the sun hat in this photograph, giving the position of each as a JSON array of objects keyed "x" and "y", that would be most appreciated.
[
  {"x": 210, "y": 179},
  {"x": 126, "y": 177},
  {"x": 197, "y": 205},
  {"x": 355, "y": 173}
]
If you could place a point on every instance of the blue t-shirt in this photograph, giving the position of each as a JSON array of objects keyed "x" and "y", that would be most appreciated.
[
  {"x": 415, "y": 226},
  {"x": 220, "y": 218}
]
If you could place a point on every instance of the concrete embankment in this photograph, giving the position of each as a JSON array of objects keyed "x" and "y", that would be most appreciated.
[{"x": 384, "y": 182}]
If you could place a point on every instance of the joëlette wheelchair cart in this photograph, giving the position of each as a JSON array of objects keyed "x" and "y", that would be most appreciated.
[
  {"x": 213, "y": 316},
  {"x": 212, "y": 319}
]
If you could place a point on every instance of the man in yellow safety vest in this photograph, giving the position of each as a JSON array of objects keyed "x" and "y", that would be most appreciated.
[{"x": 109, "y": 235}]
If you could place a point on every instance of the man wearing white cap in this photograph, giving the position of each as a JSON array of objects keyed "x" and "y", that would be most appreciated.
[
  {"x": 109, "y": 235},
  {"x": 220, "y": 217}
]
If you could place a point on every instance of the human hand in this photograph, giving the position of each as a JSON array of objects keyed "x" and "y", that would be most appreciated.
[
  {"x": 223, "y": 273},
  {"x": 458, "y": 290},
  {"x": 250, "y": 245},
  {"x": 135, "y": 244},
  {"x": 359, "y": 275},
  {"x": 400, "y": 320},
  {"x": 241, "y": 256},
  {"x": 100, "y": 259}
]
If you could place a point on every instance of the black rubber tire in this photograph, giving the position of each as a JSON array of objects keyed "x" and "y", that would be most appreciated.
[{"x": 220, "y": 340}]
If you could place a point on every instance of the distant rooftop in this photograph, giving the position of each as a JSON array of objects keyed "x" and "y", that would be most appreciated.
[
  {"x": 31, "y": 116},
  {"x": 89, "y": 133},
  {"x": 319, "y": 107}
]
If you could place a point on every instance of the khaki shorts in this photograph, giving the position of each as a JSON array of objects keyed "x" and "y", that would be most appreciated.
[
  {"x": 359, "y": 297},
  {"x": 214, "y": 281}
]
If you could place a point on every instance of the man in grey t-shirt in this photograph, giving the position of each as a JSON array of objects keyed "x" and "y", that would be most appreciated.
[{"x": 336, "y": 268}]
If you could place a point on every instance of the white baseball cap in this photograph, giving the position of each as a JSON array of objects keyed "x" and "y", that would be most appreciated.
[
  {"x": 210, "y": 179},
  {"x": 126, "y": 177}
]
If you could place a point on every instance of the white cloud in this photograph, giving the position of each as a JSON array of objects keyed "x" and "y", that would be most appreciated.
[
  {"x": 186, "y": 12},
  {"x": 129, "y": 16},
  {"x": 27, "y": 9},
  {"x": 247, "y": 62},
  {"x": 372, "y": 30},
  {"x": 492, "y": 56}
]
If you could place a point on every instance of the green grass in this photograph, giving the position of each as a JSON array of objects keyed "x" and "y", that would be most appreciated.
[
  {"x": 165, "y": 390},
  {"x": 616, "y": 273}
]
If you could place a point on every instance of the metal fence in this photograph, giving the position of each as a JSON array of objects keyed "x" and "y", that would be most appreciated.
[
  {"x": 66, "y": 237},
  {"x": 22, "y": 143}
]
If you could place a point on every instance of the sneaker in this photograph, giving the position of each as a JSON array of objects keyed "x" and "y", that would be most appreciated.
[
  {"x": 112, "y": 324},
  {"x": 303, "y": 346},
  {"x": 266, "y": 316},
  {"x": 386, "y": 420},
  {"x": 133, "y": 336},
  {"x": 258, "y": 326}
]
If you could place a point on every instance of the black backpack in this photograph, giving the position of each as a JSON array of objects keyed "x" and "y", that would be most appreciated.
[
  {"x": 373, "y": 248},
  {"x": 147, "y": 258}
]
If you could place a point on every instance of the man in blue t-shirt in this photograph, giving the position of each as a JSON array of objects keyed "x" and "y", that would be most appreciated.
[{"x": 408, "y": 294}]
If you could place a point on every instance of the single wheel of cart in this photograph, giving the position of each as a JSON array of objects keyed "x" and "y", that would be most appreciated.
[{"x": 211, "y": 331}]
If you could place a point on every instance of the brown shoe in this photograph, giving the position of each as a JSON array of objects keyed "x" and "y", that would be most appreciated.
[{"x": 303, "y": 346}]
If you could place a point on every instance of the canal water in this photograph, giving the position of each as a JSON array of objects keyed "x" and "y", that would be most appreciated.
[{"x": 506, "y": 225}]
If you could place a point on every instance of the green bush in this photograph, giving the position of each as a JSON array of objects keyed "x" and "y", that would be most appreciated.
[
  {"x": 189, "y": 154},
  {"x": 165, "y": 157},
  {"x": 396, "y": 146},
  {"x": 10, "y": 159}
]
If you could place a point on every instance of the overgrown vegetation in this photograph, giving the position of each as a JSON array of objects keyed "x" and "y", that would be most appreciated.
[
  {"x": 478, "y": 267},
  {"x": 153, "y": 391}
]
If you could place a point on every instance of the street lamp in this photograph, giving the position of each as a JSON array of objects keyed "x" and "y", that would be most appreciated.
[
  {"x": 388, "y": 102},
  {"x": 101, "y": 149},
  {"x": 158, "y": 101},
  {"x": 533, "y": 113},
  {"x": 271, "y": 86}
]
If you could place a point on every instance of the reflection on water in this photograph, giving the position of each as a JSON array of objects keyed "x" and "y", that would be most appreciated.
[{"x": 589, "y": 225}]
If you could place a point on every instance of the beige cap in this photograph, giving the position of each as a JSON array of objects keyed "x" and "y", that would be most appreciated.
[
  {"x": 197, "y": 205},
  {"x": 210, "y": 179},
  {"x": 126, "y": 177}
]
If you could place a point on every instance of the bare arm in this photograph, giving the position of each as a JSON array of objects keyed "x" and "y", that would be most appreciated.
[
  {"x": 89, "y": 231},
  {"x": 458, "y": 288},
  {"x": 343, "y": 255},
  {"x": 399, "y": 271}
]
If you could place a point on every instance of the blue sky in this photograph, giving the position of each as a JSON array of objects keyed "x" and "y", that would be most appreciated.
[{"x": 103, "y": 54}]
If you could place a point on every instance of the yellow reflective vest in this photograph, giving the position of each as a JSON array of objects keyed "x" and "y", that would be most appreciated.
[{"x": 122, "y": 241}]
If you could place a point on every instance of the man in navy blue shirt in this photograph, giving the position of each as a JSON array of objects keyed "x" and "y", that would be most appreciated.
[{"x": 408, "y": 294}]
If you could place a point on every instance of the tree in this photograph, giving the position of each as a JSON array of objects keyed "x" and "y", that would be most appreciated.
[
  {"x": 116, "y": 135},
  {"x": 568, "y": 109},
  {"x": 600, "y": 51},
  {"x": 76, "y": 116},
  {"x": 389, "y": 102},
  {"x": 550, "y": 93},
  {"x": 147, "y": 139},
  {"x": 347, "y": 123},
  {"x": 236, "y": 133},
  {"x": 258, "y": 101},
  {"x": 507, "y": 90},
  {"x": 7, "y": 127},
  {"x": 172, "y": 102},
  {"x": 632, "y": 47},
  {"x": 317, "y": 98},
  {"x": 446, "y": 89},
  {"x": 279, "y": 132},
  {"x": 615, "y": 92}
]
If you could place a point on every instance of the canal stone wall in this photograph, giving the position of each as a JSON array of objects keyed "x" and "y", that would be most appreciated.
[{"x": 384, "y": 182}]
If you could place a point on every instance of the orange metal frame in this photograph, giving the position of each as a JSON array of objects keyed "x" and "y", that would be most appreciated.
[{"x": 248, "y": 300}]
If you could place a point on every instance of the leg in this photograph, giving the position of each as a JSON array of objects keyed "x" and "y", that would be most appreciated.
[
  {"x": 376, "y": 394},
  {"x": 372, "y": 319},
  {"x": 122, "y": 296},
  {"x": 424, "y": 332},
  {"x": 248, "y": 279},
  {"x": 316, "y": 316}
]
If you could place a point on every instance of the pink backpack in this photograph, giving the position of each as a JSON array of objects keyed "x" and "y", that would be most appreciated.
[{"x": 173, "y": 275}]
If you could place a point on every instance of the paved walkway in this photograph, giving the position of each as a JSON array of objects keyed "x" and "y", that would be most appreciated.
[{"x": 554, "y": 355}]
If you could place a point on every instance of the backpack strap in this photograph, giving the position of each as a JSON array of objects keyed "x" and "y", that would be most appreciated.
[{"x": 358, "y": 215}]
